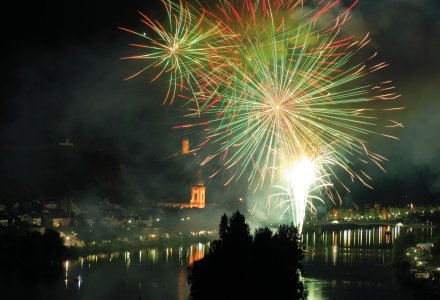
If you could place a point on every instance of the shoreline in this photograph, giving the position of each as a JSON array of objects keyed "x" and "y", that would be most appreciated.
[{"x": 118, "y": 246}]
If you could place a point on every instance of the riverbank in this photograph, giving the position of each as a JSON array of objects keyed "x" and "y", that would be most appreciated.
[
  {"x": 327, "y": 225},
  {"x": 108, "y": 247},
  {"x": 417, "y": 266}
]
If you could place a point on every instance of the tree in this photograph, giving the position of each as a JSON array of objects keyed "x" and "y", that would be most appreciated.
[
  {"x": 401, "y": 244},
  {"x": 223, "y": 227},
  {"x": 242, "y": 266},
  {"x": 32, "y": 253},
  {"x": 436, "y": 248}
]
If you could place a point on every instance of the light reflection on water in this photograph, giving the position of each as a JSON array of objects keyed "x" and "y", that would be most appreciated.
[
  {"x": 374, "y": 237},
  {"x": 197, "y": 252},
  {"x": 354, "y": 263},
  {"x": 158, "y": 272},
  {"x": 344, "y": 264},
  {"x": 319, "y": 289}
]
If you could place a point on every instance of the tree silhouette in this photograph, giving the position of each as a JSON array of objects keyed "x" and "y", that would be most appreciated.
[
  {"x": 32, "y": 253},
  {"x": 242, "y": 266}
]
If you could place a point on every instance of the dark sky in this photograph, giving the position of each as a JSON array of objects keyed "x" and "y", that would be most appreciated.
[{"x": 61, "y": 77}]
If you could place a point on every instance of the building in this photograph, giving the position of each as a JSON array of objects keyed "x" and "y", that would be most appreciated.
[
  {"x": 66, "y": 143},
  {"x": 31, "y": 220},
  {"x": 198, "y": 193},
  {"x": 198, "y": 197},
  {"x": 185, "y": 147}
]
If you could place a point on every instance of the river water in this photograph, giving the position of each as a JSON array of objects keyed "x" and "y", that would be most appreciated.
[
  {"x": 346, "y": 264},
  {"x": 354, "y": 264}
]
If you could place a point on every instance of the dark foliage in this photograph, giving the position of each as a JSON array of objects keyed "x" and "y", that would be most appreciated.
[
  {"x": 31, "y": 253},
  {"x": 419, "y": 288},
  {"x": 436, "y": 249},
  {"x": 401, "y": 244},
  {"x": 242, "y": 266}
]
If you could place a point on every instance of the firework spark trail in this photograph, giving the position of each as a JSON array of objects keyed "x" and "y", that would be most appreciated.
[
  {"x": 276, "y": 83},
  {"x": 289, "y": 102},
  {"x": 300, "y": 181},
  {"x": 183, "y": 48}
]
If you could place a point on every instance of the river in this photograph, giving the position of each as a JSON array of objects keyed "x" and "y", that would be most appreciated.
[
  {"x": 345, "y": 264},
  {"x": 354, "y": 264}
]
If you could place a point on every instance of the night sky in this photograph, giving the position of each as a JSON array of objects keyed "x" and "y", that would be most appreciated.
[{"x": 61, "y": 77}]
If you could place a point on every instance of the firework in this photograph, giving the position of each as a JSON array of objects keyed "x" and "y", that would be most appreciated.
[
  {"x": 278, "y": 84},
  {"x": 294, "y": 195},
  {"x": 185, "y": 48},
  {"x": 295, "y": 88},
  {"x": 303, "y": 182}
]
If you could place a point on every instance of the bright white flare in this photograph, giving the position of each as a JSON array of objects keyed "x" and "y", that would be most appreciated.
[
  {"x": 301, "y": 174},
  {"x": 300, "y": 177}
]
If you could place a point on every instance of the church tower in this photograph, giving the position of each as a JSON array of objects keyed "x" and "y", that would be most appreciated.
[
  {"x": 198, "y": 193},
  {"x": 185, "y": 147},
  {"x": 198, "y": 196}
]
